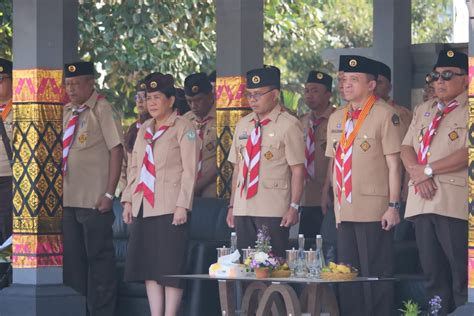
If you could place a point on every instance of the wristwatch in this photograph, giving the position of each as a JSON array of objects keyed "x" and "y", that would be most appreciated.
[
  {"x": 109, "y": 196},
  {"x": 395, "y": 205},
  {"x": 428, "y": 171},
  {"x": 295, "y": 206}
]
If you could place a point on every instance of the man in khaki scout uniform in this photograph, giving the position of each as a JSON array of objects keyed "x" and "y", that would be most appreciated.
[
  {"x": 6, "y": 116},
  {"x": 199, "y": 95},
  {"x": 92, "y": 160},
  {"x": 268, "y": 157},
  {"x": 435, "y": 155},
  {"x": 317, "y": 93},
  {"x": 364, "y": 140}
]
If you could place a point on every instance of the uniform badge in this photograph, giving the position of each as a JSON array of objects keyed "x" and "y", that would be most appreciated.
[
  {"x": 191, "y": 135},
  {"x": 142, "y": 86},
  {"x": 427, "y": 114},
  {"x": 1, "y": 69},
  {"x": 453, "y": 136},
  {"x": 243, "y": 135},
  {"x": 256, "y": 79},
  {"x": 210, "y": 146},
  {"x": 395, "y": 120},
  {"x": 334, "y": 145},
  {"x": 71, "y": 68},
  {"x": 153, "y": 84},
  {"x": 353, "y": 63},
  {"x": 82, "y": 138},
  {"x": 268, "y": 155},
  {"x": 365, "y": 145},
  {"x": 450, "y": 54},
  {"x": 319, "y": 76},
  {"x": 195, "y": 89}
]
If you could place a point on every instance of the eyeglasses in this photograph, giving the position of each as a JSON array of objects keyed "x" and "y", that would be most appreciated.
[
  {"x": 446, "y": 75},
  {"x": 256, "y": 96},
  {"x": 140, "y": 98}
]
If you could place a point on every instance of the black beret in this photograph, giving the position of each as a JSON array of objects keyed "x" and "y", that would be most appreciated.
[
  {"x": 6, "y": 66},
  {"x": 384, "y": 70},
  {"x": 80, "y": 68},
  {"x": 452, "y": 58},
  {"x": 197, "y": 83},
  {"x": 263, "y": 77},
  {"x": 212, "y": 76},
  {"x": 159, "y": 82},
  {"x": 141, "y": 85},
  {"x": 355, "y": 63},
  {"x": 320, "y": 77}
]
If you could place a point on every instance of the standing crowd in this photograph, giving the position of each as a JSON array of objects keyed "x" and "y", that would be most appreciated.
[{"x": 366, "y": 164}]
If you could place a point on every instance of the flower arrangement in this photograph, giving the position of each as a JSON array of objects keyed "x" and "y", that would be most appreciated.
[
  {"x": 263, "y": 257},
  {"x": 410, "y": 308}
]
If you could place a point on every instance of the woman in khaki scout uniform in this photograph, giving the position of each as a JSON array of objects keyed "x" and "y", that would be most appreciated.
[
  {"x": 159, "y": 195},
  {"x": 317, "y": 93},
  {"x": 366, "y": 181},
  {"x": 6, "y": 116},
  {"x": 438, "y": 193},
  {"x": 198, "y": 90},
  {"x": 131, "y": 134}
]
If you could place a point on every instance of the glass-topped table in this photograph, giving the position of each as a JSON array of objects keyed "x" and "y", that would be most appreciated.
[{"x": 275, "y": 296}]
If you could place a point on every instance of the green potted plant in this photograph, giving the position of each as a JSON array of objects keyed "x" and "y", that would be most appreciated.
[{"x": 410, "y": 308}]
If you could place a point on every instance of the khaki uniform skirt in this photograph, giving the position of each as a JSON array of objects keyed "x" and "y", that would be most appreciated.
[{"x": 156, "y": 248}]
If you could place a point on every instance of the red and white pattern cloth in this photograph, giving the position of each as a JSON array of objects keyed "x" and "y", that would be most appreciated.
[
  {"x": 199, "y": 126},
  {"x": 431, "y": 132},
  {"x": 148, "y": 172},
  {"x": 251, "y": 159},
  {"x": 310, "y": 147},
  {"x": 68, "y": 136},
  {"x": 343, "y": 161}
]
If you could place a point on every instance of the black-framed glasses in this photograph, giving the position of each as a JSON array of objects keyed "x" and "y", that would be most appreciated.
[
  {"x": 446, "y": 75},
  {"x": 256, "y": 96}
]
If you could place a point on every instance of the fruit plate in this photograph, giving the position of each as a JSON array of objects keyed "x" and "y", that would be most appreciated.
[
  {"x": 337, "y": 276},
  {"x": 280, "y": 274}
]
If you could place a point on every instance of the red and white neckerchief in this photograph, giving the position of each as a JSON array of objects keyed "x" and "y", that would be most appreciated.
[
  {"x": 199, "y": 125},
  {"x": 148, "y": 173},
  {"x": 251, "y": 155},
  {"x": 343, "y": 159},
  {"x": 430, "y": 133},
  {"x": 310, "y": 146},
  {"x": 68, "y": 136}
]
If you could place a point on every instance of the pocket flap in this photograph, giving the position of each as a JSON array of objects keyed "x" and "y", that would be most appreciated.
[
  {"x": 275, "y": 184},
  {"x": 459, "y": 181}
]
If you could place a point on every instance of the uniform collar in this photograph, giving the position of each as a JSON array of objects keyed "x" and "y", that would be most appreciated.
[
  {"x": 273, "y": 116},
  {"x": 461, "y": 98},
  {"x": 326, "y": 114},
  {"x": 169, "y": 122}
]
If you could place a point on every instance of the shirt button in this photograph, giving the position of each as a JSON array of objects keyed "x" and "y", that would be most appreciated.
[
  {"x": 343, "y": 189},
  {"x": 451, "y": 180}
]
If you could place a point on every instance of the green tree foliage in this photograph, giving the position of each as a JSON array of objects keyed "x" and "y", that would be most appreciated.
[{"x": 134, "y": 38}]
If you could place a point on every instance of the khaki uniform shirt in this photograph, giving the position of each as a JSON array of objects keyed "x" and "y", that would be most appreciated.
[
  {"x": 380, "y": 135},
  {"x": 175, "y": 155},
  {"x": 5, "y": 167},
  {"x": 313, "y": 187},
  {"x": 452, "y": 134},
  {"x": 98, "y": 130},
  {"x": 209, "y": 149},
  {"x": 405, "y": 116},
  {"x": 282, "y": 147}
]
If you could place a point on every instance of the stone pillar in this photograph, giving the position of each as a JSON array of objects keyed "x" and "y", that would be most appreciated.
[
  {"x": 45, "y": 35},
  {"x": 392, "y": 44},
  {"x": 239, "y": 49}
]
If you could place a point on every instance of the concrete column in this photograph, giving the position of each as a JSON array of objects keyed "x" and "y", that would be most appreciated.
[
  {"x": 45, "y": 36},
  {"x": 392, "y": 43},
  {"x": 239, "y": 49}
]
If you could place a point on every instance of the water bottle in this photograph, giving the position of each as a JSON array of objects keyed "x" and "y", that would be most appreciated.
[
  {"x": 233, "y": 242},
  {"x": 321, "y": 263},
  {"x": 300, "y": 270}
]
